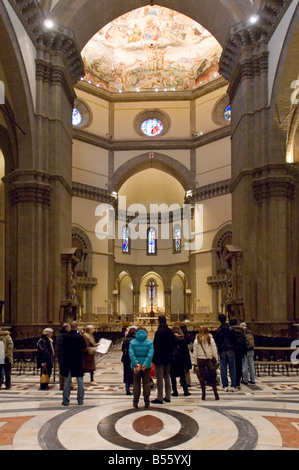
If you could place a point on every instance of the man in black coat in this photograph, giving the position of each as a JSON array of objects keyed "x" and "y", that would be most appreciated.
[
  {"x": 163, "y": 349},
  {"x": 225, "y": 342},
  {"x": 72, "y": 363}
]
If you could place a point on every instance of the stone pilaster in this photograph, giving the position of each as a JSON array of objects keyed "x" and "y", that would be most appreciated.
[{"x": 262, "y": 182}]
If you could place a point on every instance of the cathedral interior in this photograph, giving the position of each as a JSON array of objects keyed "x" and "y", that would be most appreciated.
[{"x": 149, "y": 165}]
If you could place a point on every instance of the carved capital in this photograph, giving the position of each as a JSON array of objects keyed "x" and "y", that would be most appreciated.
[{"x": 267, "y": 188}]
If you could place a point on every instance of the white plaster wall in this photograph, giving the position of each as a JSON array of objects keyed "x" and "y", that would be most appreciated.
[
  {"x": 90, "y": 165},
  {"x": 213, "y": 162}
]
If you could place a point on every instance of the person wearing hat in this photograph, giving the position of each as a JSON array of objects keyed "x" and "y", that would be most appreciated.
[{"x": 45, "y": 355}]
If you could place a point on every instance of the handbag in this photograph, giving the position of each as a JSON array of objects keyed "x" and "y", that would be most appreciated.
[
  {"x": 44, "y": 379},
  {"x": 213, "y": 364}
]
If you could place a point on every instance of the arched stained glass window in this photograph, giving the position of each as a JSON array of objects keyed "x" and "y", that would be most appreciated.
[
  {"x": 177, "y": 239},
  {"x": 77, "y": 117},
  {"x": 126, "y": 240},
  {"x": 228, "y": 113},
  {"x": 152, "y": 241}
]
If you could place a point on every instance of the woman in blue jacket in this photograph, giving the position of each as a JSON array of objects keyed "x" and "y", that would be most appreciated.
[{"x": 141, "y": 351}]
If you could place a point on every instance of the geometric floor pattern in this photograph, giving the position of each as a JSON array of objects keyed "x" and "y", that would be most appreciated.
[{"x": 264, "y": 416}]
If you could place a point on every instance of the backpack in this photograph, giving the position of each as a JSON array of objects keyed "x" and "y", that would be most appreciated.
[
  {"x": 249, "y": 340},
  {"x": 240, "y": 341}
]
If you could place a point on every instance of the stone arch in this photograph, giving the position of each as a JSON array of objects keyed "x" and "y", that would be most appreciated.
[
  {"x": 160, "y": 162},
  {"x": 18, "y": 111},
  {"x": 85, "y": 18},
  {"x": 82, "y": 236}
]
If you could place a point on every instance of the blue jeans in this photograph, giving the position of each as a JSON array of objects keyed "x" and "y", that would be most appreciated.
[
  {"x": 227, "y": 358},
  {"x": 67, "y": 390},
  {"x": 248, "y": 362}
]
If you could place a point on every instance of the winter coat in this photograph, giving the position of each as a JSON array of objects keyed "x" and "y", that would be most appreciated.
[
  {"x": 224, "y": 338},
  {"x": 8, "y": 345},
  {"x": 59, "y": 348},
  {"x": 200, "y": 350},
  {"x": 163, "y": 345},
  {"x": 141, "y": 350},
  {"x": 45, "y": 352},
  {"x": 89, "y": 353},
  {"x": 128, "y": 377},
  {"x": 72, "y": 361},
  {"x": 181, "y": 360},
  {"x": 239, "y": 341}
]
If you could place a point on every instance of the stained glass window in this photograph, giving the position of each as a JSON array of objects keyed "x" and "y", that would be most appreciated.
[
  {"x": 151, "y": 241},
  {"x": 228, "y": 113},
  {"x": 77, "y": 117},
  {"x": 126, "y": 240},
  {"x": 152, "y": 127},
  {"x": 177, "y": 239}
]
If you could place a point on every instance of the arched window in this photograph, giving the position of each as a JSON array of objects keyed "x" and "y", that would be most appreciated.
[
  {"x": 151, "y": 241},
  {"x": 177, "y": 239},
  {"x": 126, "y": 241}
]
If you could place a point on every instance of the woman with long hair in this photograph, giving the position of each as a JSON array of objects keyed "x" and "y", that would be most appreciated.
[{"x": 205, "y": 351}]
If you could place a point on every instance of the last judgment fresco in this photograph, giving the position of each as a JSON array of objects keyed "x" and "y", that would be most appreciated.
[{"x": 151, "y": 48}]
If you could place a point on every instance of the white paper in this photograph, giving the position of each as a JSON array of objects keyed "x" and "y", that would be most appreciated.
[{"x": 104, "y": 345}]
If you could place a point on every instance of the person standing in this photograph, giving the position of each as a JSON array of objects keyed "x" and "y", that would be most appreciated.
[
  {"x": 59, "y": 350},
  {"x": 89, "y": 365},
  {"x": 72, "y": 363},
  {"x": 248, "y": 359},
  {"x": 141, "y": 352},
  {"x": 45, "y": 355},
  {"x": 205, "y": 350},
  {"x": 240, "y": 349},
  {"x": 6, "y": 358},
  {"x": 128, "y": 375},
  {"x": 224, "y": 338},
  {"x": 163, "y": 348},
  {"x": 180, "y": 362}
]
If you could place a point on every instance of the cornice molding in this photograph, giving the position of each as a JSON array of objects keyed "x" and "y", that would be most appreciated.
[
  {"x": 93, "y": 193},
  {"x": 60, "y": 39},
  {"x": 210, "y": 191},
  {"x": 152, "y": 145},
  {"x": 216, "y": 84},
  {"x": 250, "y": 36}
]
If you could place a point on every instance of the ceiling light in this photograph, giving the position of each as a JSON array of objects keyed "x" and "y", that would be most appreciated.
[
  {"x": 49, "y": 24},
  {"x": 253, "y": 19}
]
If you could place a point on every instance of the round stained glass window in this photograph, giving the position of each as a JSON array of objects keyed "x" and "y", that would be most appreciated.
[
  {"x": 228, "y": 113},
  {"x": 77, "y": 118},
  {"x": 152, "y": 127}
]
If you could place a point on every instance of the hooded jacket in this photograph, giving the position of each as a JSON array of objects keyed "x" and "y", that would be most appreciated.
[
  {"x": 141, "y": 350},
  {"x": 8, "y": 345}
]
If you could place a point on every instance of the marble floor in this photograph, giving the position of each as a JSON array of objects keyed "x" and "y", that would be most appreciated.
[{"x": 264, "y": 416}]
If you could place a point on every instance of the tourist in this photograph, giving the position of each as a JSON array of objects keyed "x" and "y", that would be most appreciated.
[
  {"x": 205, "y": 351},
  {"x": 128, "y": 375},
  {"x": 6, "y": 358},
  {"x": 224, "y": 338},
  {"x": 240, "y": 348},
  {"x": 180, "y": 362},
  {"x": 141, "y": 352},
  {"x": 72, "y": 363},
  {"x": 45, "y": 357},
  {"x": 189, "y": 342},
  {"x": 59, "y": 350},
  {"x": 163, "y": 348},
  {"x": 89, "y": 365},
  {"x": 248, "y": 358}
]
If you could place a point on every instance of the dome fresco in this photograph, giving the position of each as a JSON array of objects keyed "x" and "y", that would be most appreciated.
[{"x": 151, "y": 48}]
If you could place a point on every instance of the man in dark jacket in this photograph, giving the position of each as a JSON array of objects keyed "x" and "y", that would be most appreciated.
[
  {"x": 240, "y": 348},
  {"x": 72, "y": 363},
  {"x": 225, "y": 340},
  {"x": 59, "y": 350},
  {"x": 163, "y": 349}
]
